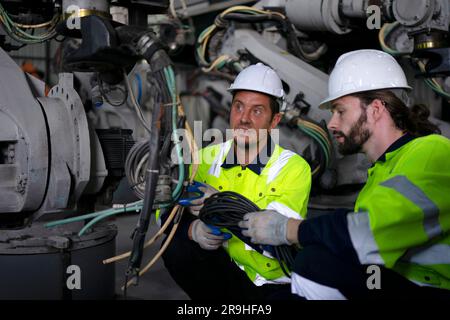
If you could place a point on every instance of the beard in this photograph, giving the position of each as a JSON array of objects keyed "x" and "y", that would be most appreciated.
[{"x": 356, "y": 138}]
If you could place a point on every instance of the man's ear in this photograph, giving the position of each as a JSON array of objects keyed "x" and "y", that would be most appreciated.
[
  {"x": 378, "y": 107},
  {"x": 276, "y": 120}
]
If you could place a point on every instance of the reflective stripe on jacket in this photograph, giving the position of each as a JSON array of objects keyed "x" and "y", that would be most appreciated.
[
  {"x": 402, "y": 215},
  {"x": 283, "y": 185}
]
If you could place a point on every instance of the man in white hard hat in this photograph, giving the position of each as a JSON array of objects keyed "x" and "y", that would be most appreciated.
[
  {"x": 214, "y": 266},
  {"x": 396, "y": 243}
]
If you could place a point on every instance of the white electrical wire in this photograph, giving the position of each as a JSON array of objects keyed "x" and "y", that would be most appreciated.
[{"x": 134, "y": 103}]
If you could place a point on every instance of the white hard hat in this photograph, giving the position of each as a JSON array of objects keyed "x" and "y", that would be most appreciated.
[
  {"x": 260, "y": 78},
  {"x": 364, "y": 70}
]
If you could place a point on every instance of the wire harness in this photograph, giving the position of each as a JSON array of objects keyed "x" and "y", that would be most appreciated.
[
  {"x": 18, "y": 31},
  {"x": 245, "y": 14}
]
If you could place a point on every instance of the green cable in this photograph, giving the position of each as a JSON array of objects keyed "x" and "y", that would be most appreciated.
[
  {"x": 237, "y": 66},
  {"x": 436, "y": 89},
  {"x": 75, "y": 219},
  {"x": 221, "y": 65},
  {"x": 19, "y": 35},
  {"x": 171, "y": 85},
  {"x": 321, "y": 136},
  {"x": 320, "y": 142},
  {"x": 97, "y": 219},
  {"x": 89, "y": 215},
  {"x": 170, "y": 78},
  {"x": 326, "y": 147},
  {"x": 200, "y": 40},
  {"x": 98, "y": 216},
  {"x": 202, "y": 35},
  {"x": 108, "y": 214},
  {"x": 317, "y": 137}
]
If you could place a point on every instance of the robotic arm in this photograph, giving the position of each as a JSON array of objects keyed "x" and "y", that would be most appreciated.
[
  {"x": 291, "y": 36},
  {"x": 425, "y": 22},
  {"x": 56, "y": 154},
  {"x": 53, "y": 161}
]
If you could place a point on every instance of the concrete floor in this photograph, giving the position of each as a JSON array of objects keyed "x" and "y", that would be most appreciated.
[{"x": 156, "y": 284}]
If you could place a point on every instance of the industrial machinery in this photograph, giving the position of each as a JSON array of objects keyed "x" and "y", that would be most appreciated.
[
  {"x": 55, "y": 162},
  {"x": 302, "y": 40},
  {"x": 116, "y": 109}
]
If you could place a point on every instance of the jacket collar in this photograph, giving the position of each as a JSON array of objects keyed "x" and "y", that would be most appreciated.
[
  {"x": 400, "y": 142},
  {"x": 257, "y": 165}
]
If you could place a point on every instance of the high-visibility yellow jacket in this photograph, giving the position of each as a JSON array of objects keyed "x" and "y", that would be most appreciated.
[
  {"x": 402, "y": 215},
  {"x": 283, "y": 184}
]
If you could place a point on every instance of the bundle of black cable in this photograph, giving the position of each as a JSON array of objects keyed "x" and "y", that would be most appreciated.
[{"x": 226, "y": 209}]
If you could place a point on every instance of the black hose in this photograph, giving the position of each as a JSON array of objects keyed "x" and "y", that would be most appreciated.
[
  {"x": 246, "y": 18},
  {"x": 105, "y": 94},
  {"x": 135, "y": 260},
  {"x": 226, "y": 209}
]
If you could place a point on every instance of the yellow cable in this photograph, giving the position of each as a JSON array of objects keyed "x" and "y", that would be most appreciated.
[
  {"x": 37, "y": 26},
  {"x": 203, "y": 48},
  {"x": 166, "y": 244},
  {"x": 315, "y": 170},
  {"x": 381, "y": 37},
  {"x": 193, "y": 147},
  {"x": 422, "y": 68},
  {"x": 316, "y": 128},
  {"x": 216, "y": 62},
  {"x": 204, "y": 38},
  {"x": 246, "y": 8},
  {"x": 208, "y": 32},
  {"x": 148, "y": 243},
  {"x": 161, "y": 251},
  {"x": 194, "y": 151}
]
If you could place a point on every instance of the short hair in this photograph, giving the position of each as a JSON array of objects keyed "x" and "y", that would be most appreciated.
[{"x": 274, "y": 105}]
